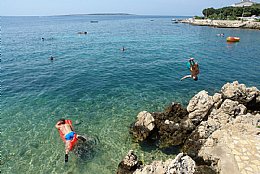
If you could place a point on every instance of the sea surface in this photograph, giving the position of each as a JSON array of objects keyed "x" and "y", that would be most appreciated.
[{"x": 92, "y": 82}]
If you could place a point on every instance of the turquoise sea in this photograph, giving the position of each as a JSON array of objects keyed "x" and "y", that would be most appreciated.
[{"x": 91, "y": 80}]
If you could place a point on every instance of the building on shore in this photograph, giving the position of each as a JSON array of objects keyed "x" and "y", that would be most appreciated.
[{"x": 244, "y": 3}]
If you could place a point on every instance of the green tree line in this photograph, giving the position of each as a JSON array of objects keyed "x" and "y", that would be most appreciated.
[{"x": 231, "y": 12}]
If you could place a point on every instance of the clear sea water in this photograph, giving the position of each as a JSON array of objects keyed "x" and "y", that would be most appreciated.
[{"x": 93, "y": 81}]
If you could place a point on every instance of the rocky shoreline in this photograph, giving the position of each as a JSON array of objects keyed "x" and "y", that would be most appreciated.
[
  {"x": 216, "y": 134},
  {"x": 223, "y": 23}
]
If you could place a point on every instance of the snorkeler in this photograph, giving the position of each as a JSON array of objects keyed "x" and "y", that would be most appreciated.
[
  {"x": 68, "y": 135},
  {"x": 194, "y": 70}
]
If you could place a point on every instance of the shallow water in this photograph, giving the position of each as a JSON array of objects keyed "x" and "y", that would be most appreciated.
[{"x": 93, "y": 81}]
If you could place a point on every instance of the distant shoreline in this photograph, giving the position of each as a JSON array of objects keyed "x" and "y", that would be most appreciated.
[
  {"x": 223, "y": 23},
  {"x": 97, "y": 14},
  {"x": 100, "y": 14}
]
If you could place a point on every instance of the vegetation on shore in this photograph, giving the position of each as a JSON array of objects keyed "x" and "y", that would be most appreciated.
[{"x": 230, "y": 13}]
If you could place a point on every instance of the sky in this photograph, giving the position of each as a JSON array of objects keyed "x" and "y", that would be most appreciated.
[{"x": 139, "y": 7}]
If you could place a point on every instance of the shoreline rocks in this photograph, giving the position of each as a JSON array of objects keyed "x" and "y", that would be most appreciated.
[
  {"x": 223, "y": 23},
  {"x": 210, "y": 131},
  {"x": 129, "y": 164}
]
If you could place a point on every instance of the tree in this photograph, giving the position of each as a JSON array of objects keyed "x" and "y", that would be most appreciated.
[
  {"x": 208, "y": 11},
  {"x": 231, "y": 12}
]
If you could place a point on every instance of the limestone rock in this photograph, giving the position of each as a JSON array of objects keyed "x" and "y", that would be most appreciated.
[
  {"x": 143, "y": 126},
  {"x": 129, "y": 164},
  {"x": 156, "y": 167},
  {"x": 199, "y": 106},
  {"x": 145, "y": 119},
  {"x": 232, "y": 108},
  {"x": 173, "y": 125},
  {"x": 239, "y": 92},
  {"x": 224, "y": 144},
  {"x": 181, "y": 164},
  {"x": 217, "y": 99},
  {"x": 207, "y": 131}
]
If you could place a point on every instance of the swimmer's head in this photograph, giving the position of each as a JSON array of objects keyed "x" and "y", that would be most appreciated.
[
  {"x": 195, "y": 78},
  {"x": 62, "y": 121}
]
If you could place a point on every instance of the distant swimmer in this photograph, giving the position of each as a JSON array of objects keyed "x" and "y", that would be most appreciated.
[
  {"x": 222, "y": 34},
  {"x": 194, "y": 70},
  {"x": 68, "y": 135},
  {"x": 51, "y": 58},
  {"x": 123, "y": 49},
  {"x": 42, "y": 38},
  {"x": 82, "y": 32}
]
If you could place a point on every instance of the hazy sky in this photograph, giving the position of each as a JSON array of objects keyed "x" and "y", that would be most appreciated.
[{"x": 142, "y": 7}]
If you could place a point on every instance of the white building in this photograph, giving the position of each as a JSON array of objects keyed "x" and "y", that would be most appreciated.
[{"x": 244, "y": 3}]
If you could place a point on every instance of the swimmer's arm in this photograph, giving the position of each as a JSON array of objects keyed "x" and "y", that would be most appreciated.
[
  {"x": 72, "y": 128},
  {"x": 187, "y": 76}
]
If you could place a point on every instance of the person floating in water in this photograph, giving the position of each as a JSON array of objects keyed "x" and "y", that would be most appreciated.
[
  {"x": 51, "y": 58},
  {"x": 194, "y": 70},
  {"x": 123, "y": 49},
  {"x": 69, "y": 136},
  {"x": 221, "y": 34}
]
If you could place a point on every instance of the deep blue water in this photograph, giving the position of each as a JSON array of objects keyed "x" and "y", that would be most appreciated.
[{"x": 92, "y": 80}]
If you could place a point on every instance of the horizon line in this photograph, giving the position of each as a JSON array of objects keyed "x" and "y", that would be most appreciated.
[{"x": 92, "y": 14}]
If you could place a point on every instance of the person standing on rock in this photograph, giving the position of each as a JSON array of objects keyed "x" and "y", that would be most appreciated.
[{"x": 194, "y": 70}]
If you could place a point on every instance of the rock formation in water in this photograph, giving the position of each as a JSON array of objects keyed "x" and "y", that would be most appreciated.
[
  {"x": 210, "y": 131},
  {"x": 129, "y": 164}
]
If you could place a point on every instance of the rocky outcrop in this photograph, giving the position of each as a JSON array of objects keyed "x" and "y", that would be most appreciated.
[
  {"x": 234, "y": 146},
  {"x": 223, "y": 23},
  {"x": 129, "y": 164},
  {"x": 143, "y": 126},
  {"x": 205, "y": 129},
  {"x": 199, "y": 106},
  {"x": 170, "y": 126},
  {"x": 239, "y": 92},
  {"x": 181, "y": 164}
]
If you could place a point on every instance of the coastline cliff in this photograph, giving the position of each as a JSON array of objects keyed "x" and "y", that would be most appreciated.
[{"x": 216, "y": 134}]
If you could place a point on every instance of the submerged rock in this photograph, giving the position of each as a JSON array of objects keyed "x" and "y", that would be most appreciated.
[
  {"x": 78, "y": 122},
  {"x": 86, "y": 150}
]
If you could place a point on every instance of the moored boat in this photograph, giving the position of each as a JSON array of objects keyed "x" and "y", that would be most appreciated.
[{"x": 233, "y": 39}]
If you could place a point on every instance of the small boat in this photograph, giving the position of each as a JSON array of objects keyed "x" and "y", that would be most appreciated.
[
  {"x": 233, "y": 39},
  {"x": 93, "y": 21}
]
